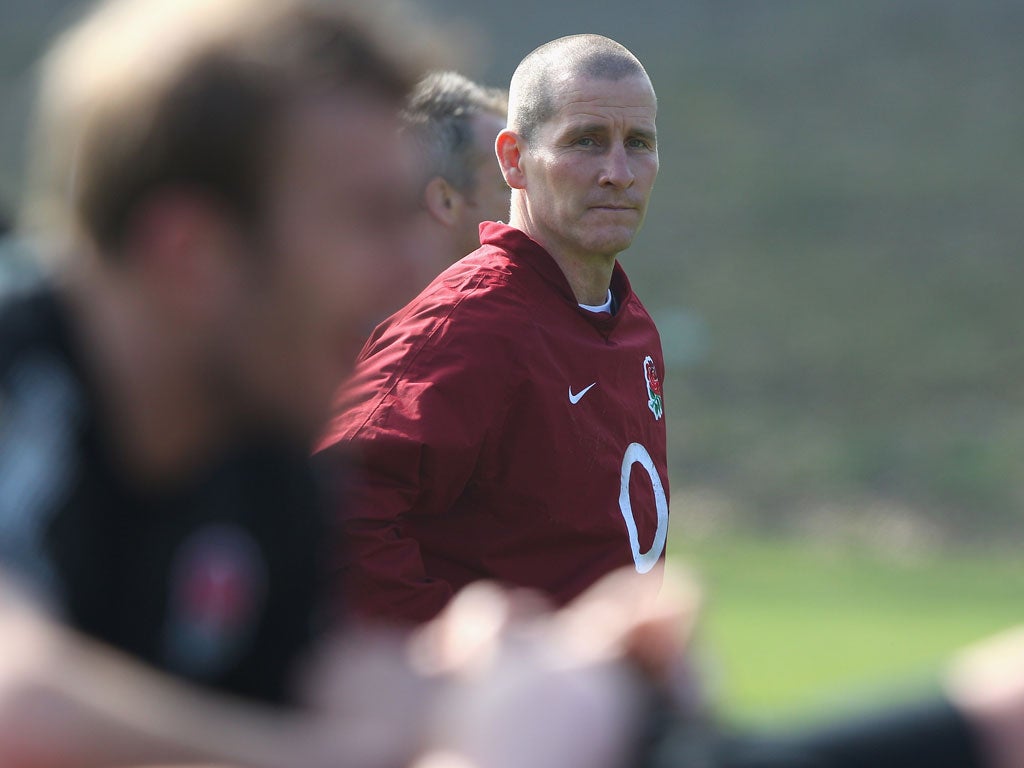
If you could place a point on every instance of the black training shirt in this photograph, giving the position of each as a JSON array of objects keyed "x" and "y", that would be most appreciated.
[{"x": 215, "y": 580}]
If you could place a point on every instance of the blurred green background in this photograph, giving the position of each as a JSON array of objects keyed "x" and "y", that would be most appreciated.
[
  {"x": 833, "y": 253},
  {"x": 796, "y": 632}
]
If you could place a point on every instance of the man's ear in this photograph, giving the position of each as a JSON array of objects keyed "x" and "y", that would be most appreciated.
[
  {"x": 510, "y": 147},
  {"x": 442, "y": 201}
]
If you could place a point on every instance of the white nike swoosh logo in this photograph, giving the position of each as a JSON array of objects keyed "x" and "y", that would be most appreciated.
[{"x": 579, "y": 395}]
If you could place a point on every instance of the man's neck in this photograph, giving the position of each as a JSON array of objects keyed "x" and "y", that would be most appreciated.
[
  {"x": 149, "y": 397},
  {"x": 589, "y": 275}
]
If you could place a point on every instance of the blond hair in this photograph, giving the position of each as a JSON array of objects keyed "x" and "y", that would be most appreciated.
[{"x": 149, "y": 94}]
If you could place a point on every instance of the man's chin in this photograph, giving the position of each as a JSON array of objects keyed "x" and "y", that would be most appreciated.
[{"x": 611, "y": 242}]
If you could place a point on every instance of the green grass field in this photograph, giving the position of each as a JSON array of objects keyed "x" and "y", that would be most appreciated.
[{"x": 796, "y": 631}]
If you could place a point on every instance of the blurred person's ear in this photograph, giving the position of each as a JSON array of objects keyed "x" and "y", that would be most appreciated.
[
  {"x": 443, "y": 201},
  {"x": 509, "y": 147}
]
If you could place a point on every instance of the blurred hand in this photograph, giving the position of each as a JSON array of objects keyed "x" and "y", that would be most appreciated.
[
  {"x": 540, "y": 689},
  {"x": 986, "y": 682},
  {"x": 371, "y": 704}
]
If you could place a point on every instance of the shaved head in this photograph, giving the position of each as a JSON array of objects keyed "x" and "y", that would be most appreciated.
[
  {"x": 532, "y": 99},
  {"x": 580, "y": 154}
]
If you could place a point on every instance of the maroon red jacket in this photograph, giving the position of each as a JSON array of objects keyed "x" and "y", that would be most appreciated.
[{"x": 504, "y": 433}]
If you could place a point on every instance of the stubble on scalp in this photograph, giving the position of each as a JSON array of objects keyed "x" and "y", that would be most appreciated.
[{"x": 532, "y": 99}]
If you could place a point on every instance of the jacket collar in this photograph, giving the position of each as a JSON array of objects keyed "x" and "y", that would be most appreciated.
[{"x": 523, "y": 249}]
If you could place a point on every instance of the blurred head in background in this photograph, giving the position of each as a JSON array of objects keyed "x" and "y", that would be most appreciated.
[
  {"x": 226, "y": 188},
  {"x": 452, "y": 123}
]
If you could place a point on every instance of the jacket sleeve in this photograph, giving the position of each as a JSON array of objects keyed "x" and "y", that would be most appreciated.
[{"x": 424, "y": 401}]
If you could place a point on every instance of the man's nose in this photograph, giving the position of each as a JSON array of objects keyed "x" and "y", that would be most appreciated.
[{"x": 617, "y": 171}]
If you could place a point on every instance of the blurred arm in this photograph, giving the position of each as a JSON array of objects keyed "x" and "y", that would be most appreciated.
[
  {"x": 556, "y": 692},
  {"x": 65, "y": 701},
  {"x": 979, "y": 724},
  {"x": 561, "y": 690},
  {"x": 923, "y": 735}
]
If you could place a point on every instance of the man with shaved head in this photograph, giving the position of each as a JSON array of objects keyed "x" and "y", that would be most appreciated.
[{"x": 510, "y": 420}]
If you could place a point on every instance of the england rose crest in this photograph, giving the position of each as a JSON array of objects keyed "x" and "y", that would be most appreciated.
[{"x": 654, "y": 397}]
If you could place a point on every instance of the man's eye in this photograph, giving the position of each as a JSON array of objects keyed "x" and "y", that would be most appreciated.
[{"x": 585, "y": 141}]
